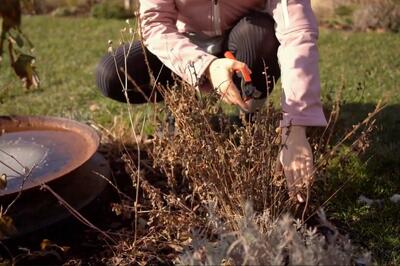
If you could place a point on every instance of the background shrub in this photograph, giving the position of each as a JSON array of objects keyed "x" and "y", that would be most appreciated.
[
  {"x": 50, "y": 6},
  {"x": 110, "y": 9},
  {"x": 382, "y": 15},
  {"x": 359, "y": 15},
  {"x": 65, "y": 11}
]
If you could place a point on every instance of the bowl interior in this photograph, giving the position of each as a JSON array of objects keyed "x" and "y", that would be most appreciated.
[{"x": 36, "y": 150}]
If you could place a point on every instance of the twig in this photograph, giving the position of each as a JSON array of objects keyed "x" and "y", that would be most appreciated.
[
  {"x": 137, "y": 184},
  {"x": 75, "y": 213},
  {"x": 13, "y": 157},
  {"x": 25, "y": 178},
  {"x": 7, "y": 250},
  {"x": 113, "y": 185}
]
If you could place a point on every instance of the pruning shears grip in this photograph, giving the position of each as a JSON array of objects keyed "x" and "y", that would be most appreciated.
[
  {"x": 244, "y": 71},
  {"x": 248, "y": 89}
]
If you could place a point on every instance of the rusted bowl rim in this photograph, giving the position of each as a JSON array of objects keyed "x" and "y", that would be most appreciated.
[{"x": 21, "y": 123}]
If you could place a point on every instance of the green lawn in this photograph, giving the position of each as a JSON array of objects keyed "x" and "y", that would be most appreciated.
[
  {"x": 366, "y": 65},
  {"x": 67, "y": 52}
]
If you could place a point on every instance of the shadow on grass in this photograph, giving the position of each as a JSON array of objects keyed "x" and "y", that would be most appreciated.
[
  {"x": 385, "y": 140},
  {"x": 375, "y": 175}
]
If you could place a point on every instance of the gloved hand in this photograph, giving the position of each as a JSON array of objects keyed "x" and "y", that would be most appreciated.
[
  {"x": 296, "y": 159},
  {"x": 220, "y": 73}
]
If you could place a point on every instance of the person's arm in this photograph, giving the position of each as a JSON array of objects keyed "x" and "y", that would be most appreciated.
[
  {"x": 297, "y": 32},
  {"x": 161, "y": 37}
]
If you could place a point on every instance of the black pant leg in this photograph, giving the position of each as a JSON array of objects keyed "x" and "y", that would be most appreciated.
[
  {"x": 109, "y": 83},
  {"x": 253, "y": 42}
]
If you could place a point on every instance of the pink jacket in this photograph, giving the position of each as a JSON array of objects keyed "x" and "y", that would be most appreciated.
[{"x": 164, "y": 21}]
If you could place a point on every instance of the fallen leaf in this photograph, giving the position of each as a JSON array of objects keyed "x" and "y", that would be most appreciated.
[
  {"x": 395, "y": 198},
  {"x": 94, "y": 107},
  {"x": 7, "y": 227},
  {"x": 65, "y": 249},
  {"x": 176, "y": 247},
  {"x": 45, "y": 244}
]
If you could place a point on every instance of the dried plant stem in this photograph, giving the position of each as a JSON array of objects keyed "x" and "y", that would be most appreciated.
[
  {"x": 379, "y": 107},
  {"x": 15, "y": 159},
  {"x": 76, "y": 214},
  {"x": 112, "y": 185},
  {"x": 25, "y": 178},
  {"x": 7, "y": 250},
  {"x": 137, "y": 184}
]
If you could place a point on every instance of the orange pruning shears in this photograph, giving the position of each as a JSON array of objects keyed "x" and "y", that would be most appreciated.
[{"x": 248, "y": 89}]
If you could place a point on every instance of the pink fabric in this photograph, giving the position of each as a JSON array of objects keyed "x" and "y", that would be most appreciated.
[{"x": 164, "y": 21}]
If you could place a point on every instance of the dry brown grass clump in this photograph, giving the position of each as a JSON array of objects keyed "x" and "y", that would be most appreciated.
[
  {"x": 193, "y": 188},
  {"x": 203, "y": 178},
  {"x": 222, "y": 162}
]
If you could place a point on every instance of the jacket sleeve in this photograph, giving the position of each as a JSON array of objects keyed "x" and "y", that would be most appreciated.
[
  {"x": 297, "y": 31},
  {"x": 161, "y": 37}
]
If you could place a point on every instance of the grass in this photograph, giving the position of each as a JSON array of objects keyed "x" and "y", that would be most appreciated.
[
  {"x": 365, "y": 65},
  {"x": 67, "y": 52}
]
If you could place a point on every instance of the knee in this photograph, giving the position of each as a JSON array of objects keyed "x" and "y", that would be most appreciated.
[
  {"x": 106, "y": 76},
  {"x": 260, "y": 28},
  {"x": 260, "y": 20}
]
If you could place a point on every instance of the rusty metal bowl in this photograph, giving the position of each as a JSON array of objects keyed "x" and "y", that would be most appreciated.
[
  {"x": 61, "y": 153},
  {"x": 37, "y": 209},
  {"x": 39, "y": 149}
]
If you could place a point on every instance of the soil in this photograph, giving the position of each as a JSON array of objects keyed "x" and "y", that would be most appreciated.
[{"x": 70, "y": 241}]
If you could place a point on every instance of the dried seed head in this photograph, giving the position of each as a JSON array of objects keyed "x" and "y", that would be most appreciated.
[{"x": 3, "y": 181}]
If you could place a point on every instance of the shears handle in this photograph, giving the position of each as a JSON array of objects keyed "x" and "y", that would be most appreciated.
[{"x": 244, "y": 71}]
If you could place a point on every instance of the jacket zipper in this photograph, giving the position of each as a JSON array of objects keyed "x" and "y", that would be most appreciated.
[{"x": 216, "y": 17}]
